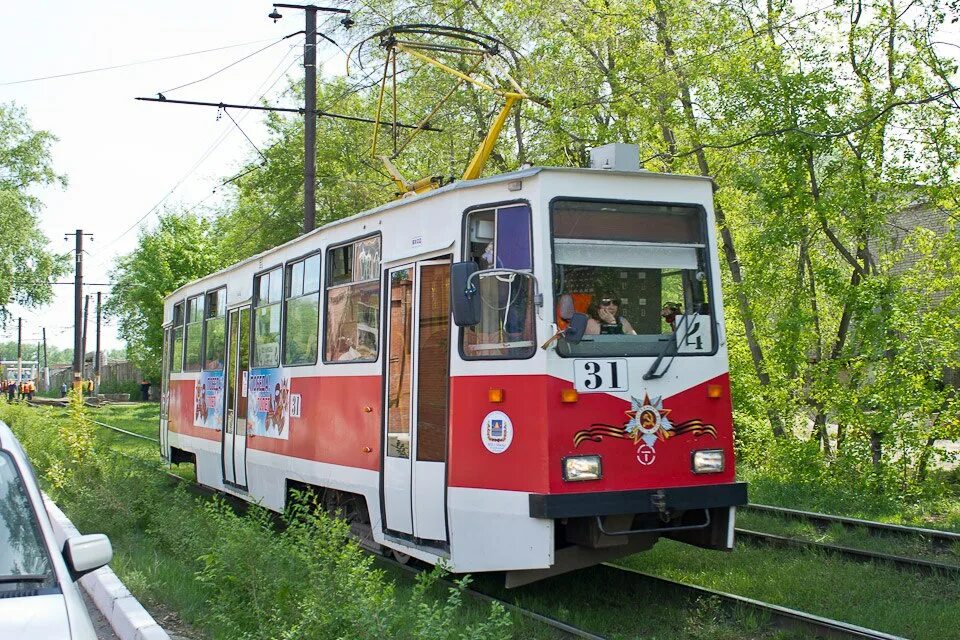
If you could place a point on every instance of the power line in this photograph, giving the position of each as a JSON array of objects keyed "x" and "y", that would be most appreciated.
[
  {"x": 216, "y": 143},
  {"x": 130, "y": 64},
  {"x": 232, "y": 64}
]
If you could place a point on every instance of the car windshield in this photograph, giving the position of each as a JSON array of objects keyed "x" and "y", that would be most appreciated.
[
  {"x": 638, "y": 271},
  {"x": 23, "y": 556}
]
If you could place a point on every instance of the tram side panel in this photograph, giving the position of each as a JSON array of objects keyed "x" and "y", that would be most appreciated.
[{"x": 331, "y": 438}]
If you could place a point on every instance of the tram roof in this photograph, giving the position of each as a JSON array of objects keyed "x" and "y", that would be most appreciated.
[{"x": 454, "y": 186}]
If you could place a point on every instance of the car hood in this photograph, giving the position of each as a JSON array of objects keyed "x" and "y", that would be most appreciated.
[{"x": 34, "y": 617}]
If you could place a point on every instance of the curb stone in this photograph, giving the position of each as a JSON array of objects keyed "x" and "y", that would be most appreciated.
[{"x": 130, "y": 621}]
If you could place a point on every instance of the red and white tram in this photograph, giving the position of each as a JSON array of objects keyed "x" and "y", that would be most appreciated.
[{"x": 526, "y": 372}]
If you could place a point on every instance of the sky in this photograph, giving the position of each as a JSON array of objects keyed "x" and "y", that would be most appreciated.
[{"x": 124, "y": 159}]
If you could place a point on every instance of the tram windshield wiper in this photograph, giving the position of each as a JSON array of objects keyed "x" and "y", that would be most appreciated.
[{"x": 651, "y": 373}]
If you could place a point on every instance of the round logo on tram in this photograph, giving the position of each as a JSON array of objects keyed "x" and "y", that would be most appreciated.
[{"x": 496, "y": 432}]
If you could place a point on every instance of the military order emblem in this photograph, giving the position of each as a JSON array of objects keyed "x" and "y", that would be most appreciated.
[{"x": 647, "y": 425}]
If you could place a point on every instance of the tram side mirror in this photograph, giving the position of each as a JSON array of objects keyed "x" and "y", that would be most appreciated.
[
  {"x": 576, "y": 327},
  {"x": 465, "y": 302}
]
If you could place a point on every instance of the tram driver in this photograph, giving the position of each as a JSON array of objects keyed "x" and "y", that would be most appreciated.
[{"x": 606, "y": 319}]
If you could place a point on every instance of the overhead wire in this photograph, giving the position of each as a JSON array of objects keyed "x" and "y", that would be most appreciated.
[
  {"x": 217, "y": 142},
  {"x": 130, "y": 64},
  {"x": 214, "y": 145},
  {"x": 232, "y": 64}
]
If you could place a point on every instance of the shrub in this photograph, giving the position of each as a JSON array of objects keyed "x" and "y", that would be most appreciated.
[{"x": 303, "y": 577}]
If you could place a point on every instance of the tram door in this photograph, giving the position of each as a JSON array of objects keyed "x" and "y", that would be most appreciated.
[
  {"x": 234, "y": 444},
  {"x": 165, "y": 398},
  {"x": 417, "y": 399}
]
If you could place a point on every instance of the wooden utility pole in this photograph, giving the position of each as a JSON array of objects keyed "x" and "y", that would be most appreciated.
[
  {"x": 83, "y": 339},
  {"x": 46, "y": 365},
  {"x": 19, "y": 354},
  {"x": 96, "y": 355},
  {"x": 77, "y": 296}
]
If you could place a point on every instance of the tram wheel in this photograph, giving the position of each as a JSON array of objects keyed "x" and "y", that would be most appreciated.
[{"x": 400, "y": 556}]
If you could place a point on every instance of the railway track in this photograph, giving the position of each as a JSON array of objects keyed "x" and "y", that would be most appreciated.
[
  {"x": 784, "y": 617},
  {"x": 937, "y": 535},
  {"x": 790, "y": 618}
]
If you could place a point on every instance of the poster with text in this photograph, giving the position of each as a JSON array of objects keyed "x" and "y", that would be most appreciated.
[
  {"x": 208, "y": 400},
  {"x": 268, "y": 394}
]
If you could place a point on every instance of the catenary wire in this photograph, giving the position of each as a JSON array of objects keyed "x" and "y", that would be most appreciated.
[{"x": 129, "y": 64}]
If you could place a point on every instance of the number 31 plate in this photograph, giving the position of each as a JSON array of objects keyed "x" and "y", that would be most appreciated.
[{"x": 600, "y": 375}]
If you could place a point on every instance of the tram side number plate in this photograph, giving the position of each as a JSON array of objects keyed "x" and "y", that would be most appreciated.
[{"x": 600, "y": 375}]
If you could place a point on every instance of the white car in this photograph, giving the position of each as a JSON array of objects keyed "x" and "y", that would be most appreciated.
[{"x": 39, "y": 597}]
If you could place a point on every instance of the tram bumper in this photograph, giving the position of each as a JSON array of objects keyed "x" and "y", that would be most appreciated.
[
  {"x": 637, "y": 501},
  {"x": 599, "y": 526}
]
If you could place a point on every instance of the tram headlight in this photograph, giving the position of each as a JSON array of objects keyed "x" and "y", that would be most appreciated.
[
  {"x": 708, "y": 461},
  {"x": 578, "y": 468}
]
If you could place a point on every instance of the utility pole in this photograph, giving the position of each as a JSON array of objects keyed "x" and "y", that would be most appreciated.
[
  {"x": 96, "y": 355},
  {"x": 77, "y": 296},
  {"x": 83, "y": 340},
  {"x": 310, "y": 105},
  {"x": 46, "y": 366},
  {"x": 19, "y": 354}
]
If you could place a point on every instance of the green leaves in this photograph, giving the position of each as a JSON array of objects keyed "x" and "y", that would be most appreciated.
[
  {"x": 26, "y": 267},
  {"x": 182, "y": 248}
]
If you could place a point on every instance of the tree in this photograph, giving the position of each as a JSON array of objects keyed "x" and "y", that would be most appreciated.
[
  {"x": 182, "y": 248},
  {"x": 26, "y": 267}
]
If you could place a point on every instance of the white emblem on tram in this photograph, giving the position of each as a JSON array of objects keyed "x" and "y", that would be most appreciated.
[{"x": 496, "y": 432}]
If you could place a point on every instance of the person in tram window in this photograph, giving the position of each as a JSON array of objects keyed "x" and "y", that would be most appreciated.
[{"x": 605, "y": 318}]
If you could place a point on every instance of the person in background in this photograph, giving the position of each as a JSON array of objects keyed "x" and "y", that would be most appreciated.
[
  {"x": 63, "y": 390},
  {"x": 11, "y": 391},
  {"x": 144, "y": 390}
]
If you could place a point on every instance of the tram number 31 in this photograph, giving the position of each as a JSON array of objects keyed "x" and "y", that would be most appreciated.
[{"x": 600, "y": 375}]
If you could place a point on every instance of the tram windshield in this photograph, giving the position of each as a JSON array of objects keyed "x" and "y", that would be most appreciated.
[{"x": 638, "y": 271}]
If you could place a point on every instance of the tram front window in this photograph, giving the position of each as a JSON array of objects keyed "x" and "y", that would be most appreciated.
[{"x": 639, "y": 272}]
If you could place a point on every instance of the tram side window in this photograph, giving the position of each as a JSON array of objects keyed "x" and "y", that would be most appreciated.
[
  {"x": 302, "y": 311},
  {"x": 500, "y": 238},
  {"x": 267, "y": 291},
  {"x": 352, "y": 314},
  {"x": 177, "y": 352},
  {"x": 194, "y": 334},
  {"x": 216, "y": 333}
]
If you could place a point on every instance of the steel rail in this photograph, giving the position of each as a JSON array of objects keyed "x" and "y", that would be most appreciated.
[
  {"x": 559, "y": 625},
  {"x": 824, "y": 627},
  {"x": 102, "y": 424},
  {"x": 935, "y": 534},
  {"x": 860, "y": 555},
  {"x": 125, "y": 432}
]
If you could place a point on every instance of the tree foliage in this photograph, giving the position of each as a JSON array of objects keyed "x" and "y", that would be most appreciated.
[
  {"x": 26, "y": 267},
  {"x": 182, "y": 248}
]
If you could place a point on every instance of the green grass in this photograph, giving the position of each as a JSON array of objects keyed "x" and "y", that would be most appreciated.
[
  {"x": 619, "y": 606},
  {"x": 941, "y": 511},
  {"x": 870, "y": 595},
  {"x": 856, "y": 537}
]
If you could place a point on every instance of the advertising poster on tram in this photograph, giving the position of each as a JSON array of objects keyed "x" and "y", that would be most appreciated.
[
  {"x": 208, "y": 401},
  {"x": 268, "y": 394}
]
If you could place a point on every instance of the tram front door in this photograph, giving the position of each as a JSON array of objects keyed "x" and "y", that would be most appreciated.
[
  {"x": 234, "y": 441},
  {"x": 417, "y": 400}
]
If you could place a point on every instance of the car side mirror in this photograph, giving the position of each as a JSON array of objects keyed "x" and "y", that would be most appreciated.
[
  {"x": 84, "y": 554},
  {"x": 464, "y": 296},
  {"x": 576, "y": 328}
]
